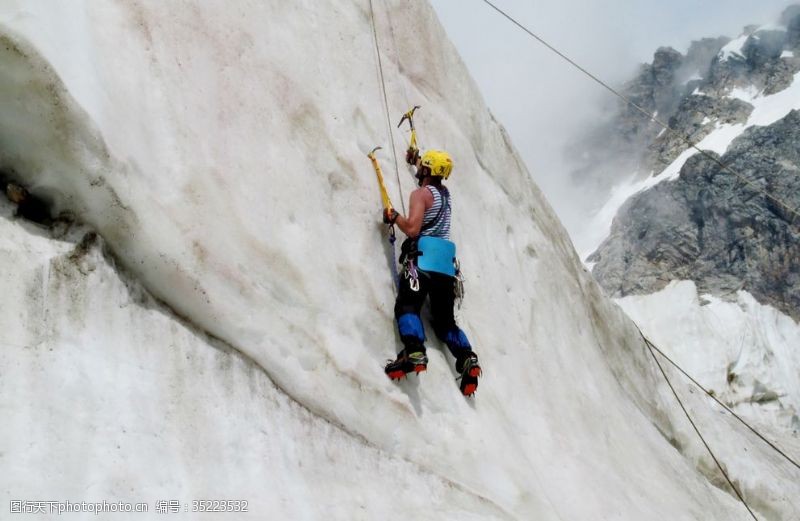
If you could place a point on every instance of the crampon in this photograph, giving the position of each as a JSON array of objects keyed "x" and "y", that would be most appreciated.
[
  {"x": 470, "y": 372},
  {"x": 416, "y": 362}
]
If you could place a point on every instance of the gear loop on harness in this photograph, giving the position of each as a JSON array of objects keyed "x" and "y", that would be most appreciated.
[
  {"x": 459, "y": 285},
  {"x": 412, "y": 274},
  {"x": 408, "y": 255},
  {"x": 392, "y": 236}
]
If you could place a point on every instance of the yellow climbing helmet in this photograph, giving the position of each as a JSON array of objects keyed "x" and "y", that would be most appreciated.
[{"x": 438, "y": 162}]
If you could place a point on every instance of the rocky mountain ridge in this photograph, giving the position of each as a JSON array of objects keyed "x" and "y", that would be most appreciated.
[
  {"x": 722, "y": 231},
  {"x": 710, "y": 227}
]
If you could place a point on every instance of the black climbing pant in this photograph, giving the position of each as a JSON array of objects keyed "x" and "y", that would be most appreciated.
[{"x": 441, "y": 290}]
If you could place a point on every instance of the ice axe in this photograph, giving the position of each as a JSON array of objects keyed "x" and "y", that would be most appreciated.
[
  {"x": 387, "y": 203},
  {"x": 409, "y": 116},
  {"x": 412, "y": 154},
  {"x": 387, "y": 208}
]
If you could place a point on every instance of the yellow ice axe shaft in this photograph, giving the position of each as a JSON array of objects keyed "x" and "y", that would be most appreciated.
[
  {"x": 410, "y": 117},
  {"x": 387, "y": 203}
]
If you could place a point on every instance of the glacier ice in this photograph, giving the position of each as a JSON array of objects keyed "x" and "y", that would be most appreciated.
[{"x": 224, "y": 335}]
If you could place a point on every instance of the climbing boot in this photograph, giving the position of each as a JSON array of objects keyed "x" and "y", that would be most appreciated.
[
  {"x": 469, "y": 371},
  {"x": 414, "y": 362}
]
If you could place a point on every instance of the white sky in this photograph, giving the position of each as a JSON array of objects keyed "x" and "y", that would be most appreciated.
[{"x": 539, "y": 98}]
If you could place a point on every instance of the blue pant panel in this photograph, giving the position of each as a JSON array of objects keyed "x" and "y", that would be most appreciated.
[
  {"x": 456, "y": 339},
  {"x": 409, "y": 303},
  {"x": 410, "y": 326}
]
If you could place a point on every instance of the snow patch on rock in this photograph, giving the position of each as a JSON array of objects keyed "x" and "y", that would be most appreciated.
[{"x": 734, "y": 49}]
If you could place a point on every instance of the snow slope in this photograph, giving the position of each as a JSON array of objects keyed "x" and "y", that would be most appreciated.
[
  {"x": 230, "y": 343},
  {"x": 746, "y": 352},
  {"x": 106, "y": 395}
]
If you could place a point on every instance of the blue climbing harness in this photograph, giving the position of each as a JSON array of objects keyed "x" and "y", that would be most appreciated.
[{"x": 436, "y": 255}]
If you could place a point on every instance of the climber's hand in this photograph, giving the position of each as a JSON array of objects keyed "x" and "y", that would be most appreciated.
[
  {"x": 412, "y": 156},
  {"x": 390, "y": 215}
]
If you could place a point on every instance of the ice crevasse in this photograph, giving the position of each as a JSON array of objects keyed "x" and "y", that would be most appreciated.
[{"x": 216, "y": 326}]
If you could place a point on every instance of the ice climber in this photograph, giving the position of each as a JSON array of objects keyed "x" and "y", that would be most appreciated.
[{"x": 429, "y": 269}]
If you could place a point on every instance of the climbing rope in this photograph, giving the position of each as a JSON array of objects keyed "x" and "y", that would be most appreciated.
[
  {"x": 392, "y": 263},
  {"x": 399, "y": 66},
  {"x": 386, "y": 103},
  {"x": 686, "y": 139},
  {"x": 711, "y": 394},
  {"x": 697, "y": 430}
]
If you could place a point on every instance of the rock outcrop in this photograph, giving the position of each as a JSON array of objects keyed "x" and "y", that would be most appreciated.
[{"x": 712, "y": 227}]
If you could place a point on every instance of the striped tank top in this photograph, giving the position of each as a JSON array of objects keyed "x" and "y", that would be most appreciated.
[{"x": 436, "y": 221}]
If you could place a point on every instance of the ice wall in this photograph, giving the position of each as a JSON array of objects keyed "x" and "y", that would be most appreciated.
[{"x": 219, "y": 151}]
